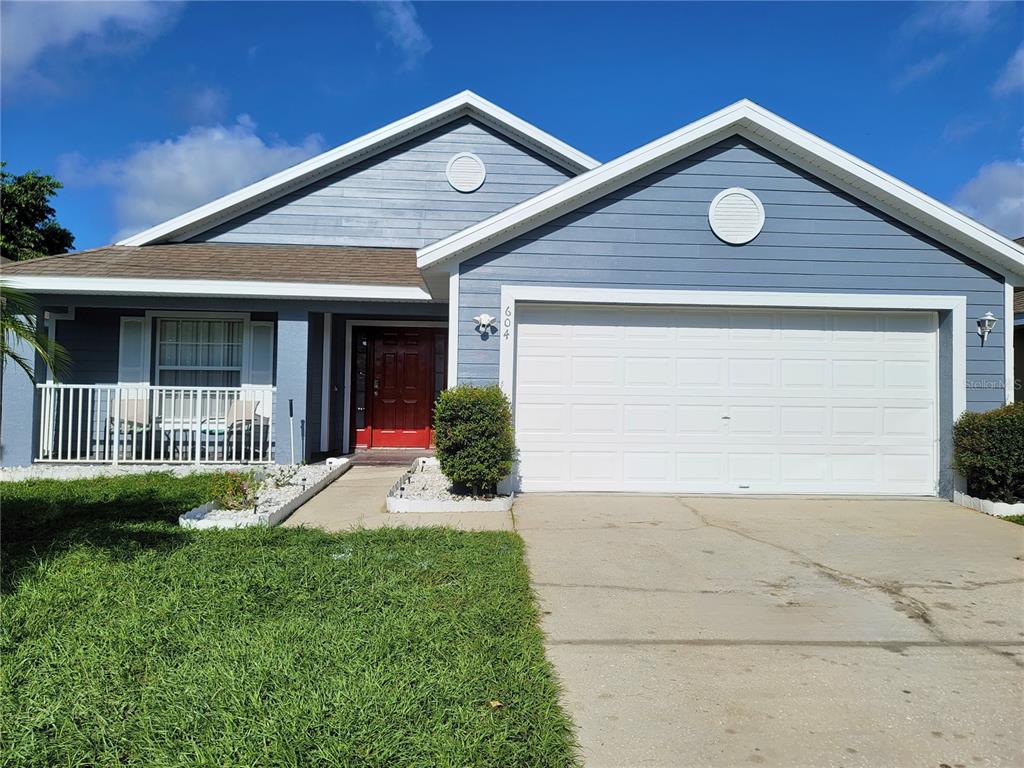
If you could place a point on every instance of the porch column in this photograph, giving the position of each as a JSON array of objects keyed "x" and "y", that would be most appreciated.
[
  {"x": 18, "y": 424},
  {"x": 292, "y": 378}
]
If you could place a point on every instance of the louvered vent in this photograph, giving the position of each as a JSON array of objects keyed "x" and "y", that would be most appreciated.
[
  {"x": 736, "y": 215},
  {"x": 466, "y": 172}
]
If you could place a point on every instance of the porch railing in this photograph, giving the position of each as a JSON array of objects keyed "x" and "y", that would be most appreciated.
[{"x": 111, "y": 423}]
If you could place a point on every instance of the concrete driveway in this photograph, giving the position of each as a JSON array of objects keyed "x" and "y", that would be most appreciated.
[{"x": 782, "y": 632}]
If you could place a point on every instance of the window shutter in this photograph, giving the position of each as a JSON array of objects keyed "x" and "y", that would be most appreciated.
[
  {"x": 132, "y": 357},
  {"x": 261, "y": 353}
]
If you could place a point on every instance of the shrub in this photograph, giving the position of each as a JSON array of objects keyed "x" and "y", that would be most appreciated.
[
  {"x": 237, "y": 490},
  {"x": 988, "y": 450},
  {"x": 473, "y": 436}
]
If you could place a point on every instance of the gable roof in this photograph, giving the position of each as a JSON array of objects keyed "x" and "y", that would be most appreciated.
[
  {"x": 768, "y": 130},
  {"x": 465, "y": 104}
]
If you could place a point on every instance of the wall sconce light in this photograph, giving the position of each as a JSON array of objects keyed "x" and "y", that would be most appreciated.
[
  {"x": 985, "y": 325},
  {"x": 485, "y": 324}
]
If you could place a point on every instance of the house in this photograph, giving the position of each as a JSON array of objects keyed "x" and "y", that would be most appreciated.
[{"x": 738, "y": 307}]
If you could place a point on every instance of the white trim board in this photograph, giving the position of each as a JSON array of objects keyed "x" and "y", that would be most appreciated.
[
  {"x": 1009, "y": 375},
  {"x": 764, "y": 128},
  {"x": 346, "y": 400},
  {"x": 259, "y": 289},
  {"x": 461, "y": 104},
  {"x": 453, "y": 327},
  {"x": 511, "y": 295}
]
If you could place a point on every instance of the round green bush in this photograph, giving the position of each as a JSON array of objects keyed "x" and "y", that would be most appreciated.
[
  {"x": 474, "y": 438},
  {"x": 988, "y": 450}
]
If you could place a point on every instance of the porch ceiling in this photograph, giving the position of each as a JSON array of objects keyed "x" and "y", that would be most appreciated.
[{"x": 218, "y": 261}]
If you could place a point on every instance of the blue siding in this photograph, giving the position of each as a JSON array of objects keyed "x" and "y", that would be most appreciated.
[
  {"x": 400, "y": 198},
  {"x": 314, "y": 383},
  {"x": 654, "y": 233},
  {"x": 92, "y": 340}
]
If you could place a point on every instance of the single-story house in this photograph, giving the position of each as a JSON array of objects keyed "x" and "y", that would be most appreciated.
[{"x": 737, "y": 307}]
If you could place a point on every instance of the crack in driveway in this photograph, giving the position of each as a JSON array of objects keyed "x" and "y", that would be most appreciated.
[{"x": 905, "y": 604}]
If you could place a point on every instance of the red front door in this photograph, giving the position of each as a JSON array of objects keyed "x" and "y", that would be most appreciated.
[{"x": 399, "y": 388}]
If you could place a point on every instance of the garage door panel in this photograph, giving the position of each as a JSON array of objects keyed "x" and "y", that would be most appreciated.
[{"x": 664, "y": 400}]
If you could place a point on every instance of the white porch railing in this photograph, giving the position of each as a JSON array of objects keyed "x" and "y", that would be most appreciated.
[{"x": 111, "y": 423}]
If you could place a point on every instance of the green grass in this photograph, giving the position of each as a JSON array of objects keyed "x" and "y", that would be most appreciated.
[
  {"x": 1018, "y": 519},
  {"x": 125, "y": 640}
]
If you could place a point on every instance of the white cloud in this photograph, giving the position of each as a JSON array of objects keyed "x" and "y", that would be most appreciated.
[
  {"x": 920, "y": 70},
  {"x": 962, "y": 128},
  {"x": 995, "y": 197},
  {"x": 33, "y": 31},
  {"x": 161, "y": 179},
  {"x": 205, "y": 105},
  {"x": 399, "y": 21},
  {"x": 1012, "y": 78},
  {"x": 968, "y": 18}
]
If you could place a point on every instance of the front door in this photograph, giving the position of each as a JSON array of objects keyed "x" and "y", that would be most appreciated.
[{"x": 396, "y": 378}]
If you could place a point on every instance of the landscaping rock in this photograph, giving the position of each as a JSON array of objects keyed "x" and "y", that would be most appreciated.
[{"x": 424, "y": 488}]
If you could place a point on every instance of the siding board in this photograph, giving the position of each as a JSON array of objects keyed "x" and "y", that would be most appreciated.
[
  {"x": 654, "y": 233},
  {"x": 400, "y": 198}
]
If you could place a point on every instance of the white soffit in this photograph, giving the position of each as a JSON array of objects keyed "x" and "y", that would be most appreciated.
[
  {"x": 750, "y": 121},
  {"x": 261, "y": 192}
]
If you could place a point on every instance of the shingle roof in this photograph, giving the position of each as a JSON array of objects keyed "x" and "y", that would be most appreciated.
[{"x": 217, "y": 261}]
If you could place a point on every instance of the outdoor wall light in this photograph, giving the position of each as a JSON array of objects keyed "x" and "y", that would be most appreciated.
[
  {"x": 485, "y": 324},
  {"x": 985, "y": 325}
]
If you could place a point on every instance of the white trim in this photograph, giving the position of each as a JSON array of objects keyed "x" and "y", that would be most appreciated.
[
  {"x": 222, "y": 288},
  {"x": 757, "y": 124},
  {"x": 1008, "y": 332},
  {"x": 325, "y": 392},
  {"x": 347, "y": 396},
  {"x": 453, "y": 327},
  {"x": 465, "y": 103},
  {"x": 513, "y": 294}
]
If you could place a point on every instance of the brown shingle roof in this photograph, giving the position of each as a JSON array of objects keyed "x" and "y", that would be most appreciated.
[{"x": 217, "y": 261}]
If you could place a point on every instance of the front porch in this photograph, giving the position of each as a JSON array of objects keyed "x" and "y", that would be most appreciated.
[{"x": 228, "y": 381}]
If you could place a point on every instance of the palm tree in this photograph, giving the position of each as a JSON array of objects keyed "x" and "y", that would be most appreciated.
[{"x": 19, "y": 328}]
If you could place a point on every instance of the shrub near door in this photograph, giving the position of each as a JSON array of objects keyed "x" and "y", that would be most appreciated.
[{"x": 474, "y": 438}]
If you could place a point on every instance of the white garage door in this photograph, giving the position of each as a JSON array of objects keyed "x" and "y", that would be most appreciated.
[{"x": 727, "y": 401}]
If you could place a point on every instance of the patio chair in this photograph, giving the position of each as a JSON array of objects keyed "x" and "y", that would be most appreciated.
[{"x": 130, "y": 428}]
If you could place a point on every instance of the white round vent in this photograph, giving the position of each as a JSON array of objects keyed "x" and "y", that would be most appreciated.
[
  {"x": 736, "y": 215},
  {"x": 466, "y": 172}
]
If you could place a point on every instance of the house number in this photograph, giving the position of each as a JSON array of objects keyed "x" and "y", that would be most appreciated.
[{"x": 507, "y": 323}]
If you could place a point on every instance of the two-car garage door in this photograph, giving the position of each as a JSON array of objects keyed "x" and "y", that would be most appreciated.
[{"x": 726, "y": 400}]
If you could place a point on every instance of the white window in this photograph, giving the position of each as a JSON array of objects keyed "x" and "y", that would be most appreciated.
[{"x": 199, "y": 353}]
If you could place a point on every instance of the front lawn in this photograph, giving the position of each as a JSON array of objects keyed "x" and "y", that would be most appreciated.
[{"x": 125, "y": 640}]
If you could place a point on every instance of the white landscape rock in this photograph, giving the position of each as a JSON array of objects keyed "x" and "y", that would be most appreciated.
[
  {"x": 424, "y": 488},
  {"x": 285, "y": 488}
]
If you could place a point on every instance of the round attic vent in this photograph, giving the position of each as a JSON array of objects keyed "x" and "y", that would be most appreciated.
[
  {"x": 466, "y": 172},
  {"x": 736, "y": 215}
]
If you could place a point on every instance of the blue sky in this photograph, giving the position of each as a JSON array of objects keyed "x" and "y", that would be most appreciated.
[{"x": 147, "y": 109}]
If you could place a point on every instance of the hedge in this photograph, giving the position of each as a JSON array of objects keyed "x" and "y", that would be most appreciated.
[
  {"x": 474, "y": 438},
  {"x": 988, "y": 450}
]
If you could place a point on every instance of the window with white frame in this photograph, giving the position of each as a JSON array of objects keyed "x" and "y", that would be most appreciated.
[{"x": 199, "y": 352}]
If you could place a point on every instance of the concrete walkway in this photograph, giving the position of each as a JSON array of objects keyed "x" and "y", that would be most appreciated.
[
  {"x": 782, "y": 632},
  {"x": 357, "y": 500}
]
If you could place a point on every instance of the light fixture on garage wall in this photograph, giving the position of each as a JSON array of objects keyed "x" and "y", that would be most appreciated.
[
  {"x": 986, "y": 323},
  {"x": 485, "y": 324}
]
